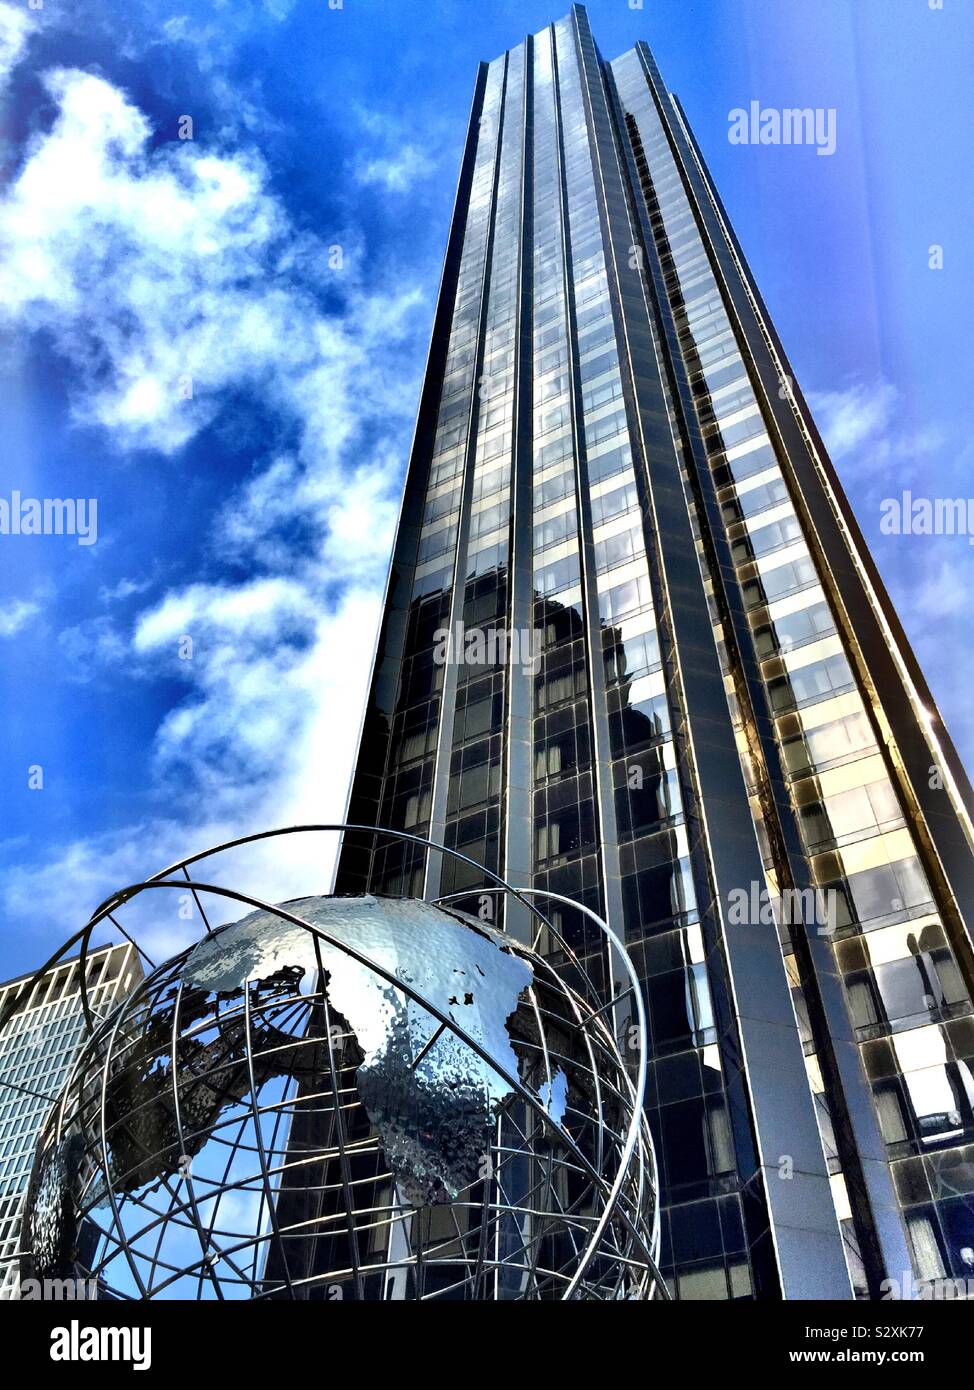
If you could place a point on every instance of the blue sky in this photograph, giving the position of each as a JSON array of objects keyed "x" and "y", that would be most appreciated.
[{"x": 182, "y": 341}]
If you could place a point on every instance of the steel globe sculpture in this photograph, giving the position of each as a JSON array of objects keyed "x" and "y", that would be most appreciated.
[{"x": 353, "y": 1097}]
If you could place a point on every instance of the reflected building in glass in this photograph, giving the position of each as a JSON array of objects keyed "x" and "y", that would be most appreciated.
[
  {"x": 675, "y": 691},
  {"x": 42, "y": 1024}
]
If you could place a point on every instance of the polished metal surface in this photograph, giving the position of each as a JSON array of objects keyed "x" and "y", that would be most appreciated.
[
  {"x": 429, "y": 1096},
  {"x": 356, "y": 1097}
]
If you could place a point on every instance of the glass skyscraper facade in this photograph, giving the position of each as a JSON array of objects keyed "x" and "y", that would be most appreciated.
[
  {"x": 43, "y": 1023},
  {"x": 674, "y": 690}
]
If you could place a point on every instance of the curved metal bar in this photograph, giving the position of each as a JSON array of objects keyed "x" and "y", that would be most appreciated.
[
  {"x": 513, "y": 1082},
  {"x": 516, "y": 1085},
  {"x": 124, "y": 895},
  {"x": 181, "y": 1140},
  {"x": 111, "y": 904},
  {"x": 632, "y": 1138},
  {"x": 257, "y": 1114},
  {"x": 614, "y": 1204}
]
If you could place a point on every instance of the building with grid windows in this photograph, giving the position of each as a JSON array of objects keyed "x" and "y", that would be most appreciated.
[
  {"x": 43, "y": 1024},
  {"x": 717, "y": 725}
]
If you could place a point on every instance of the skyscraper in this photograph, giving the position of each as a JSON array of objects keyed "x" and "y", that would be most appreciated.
[
  {"x": 635, "y": 651},
  {"x": 43, "y": 1023}
]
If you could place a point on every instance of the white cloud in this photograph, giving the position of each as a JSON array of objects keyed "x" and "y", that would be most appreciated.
[
  {"x": 397, "y": 172},
  {"x": 351, "y": 519},
  {"x": 863, "y": 428},
  {"x": 388, "y": 157},
  {"x": 144, "y": 267},
  {"x": 168, "y": 277},
  {"x": 943, "y": 592},
  {"x": 850, "y": 417},
  {"x": 265, "y": 736},
  {"x": 277, "y": 680},
  {"x": 124, "y": 589},
  {"x": 15, "y": 30},
  {"x": 881, "y": 453},
  {"x": 279, "y": 9},
  {"x": 267, "y": 739},
  {"x": 89, "y": 647},
  {"x": 17, "y": 615}
]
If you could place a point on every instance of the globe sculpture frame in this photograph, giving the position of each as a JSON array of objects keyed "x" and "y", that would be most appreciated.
[{"x": 228, "y": 1131}]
